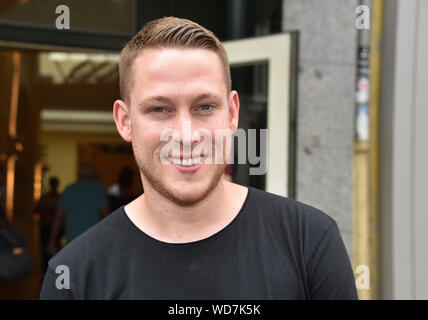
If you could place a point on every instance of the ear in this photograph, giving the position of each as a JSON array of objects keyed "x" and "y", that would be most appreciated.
[
  {"x": 122, "y": 118},
  {"x": 234, "y": 110}
]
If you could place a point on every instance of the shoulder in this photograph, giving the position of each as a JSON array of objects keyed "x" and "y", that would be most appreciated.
[
  {"x": 70, "y": 188},
  {"x": 92, "y": 243},
  {"x": 301, "y": 226},
  {"x": 298, "y": 223},
  {"x": 89, "y": 260},
  {"x": 286, "y": 209},
  {"x": 67, "y": 193},
  {"x": 96, "y": 185}
]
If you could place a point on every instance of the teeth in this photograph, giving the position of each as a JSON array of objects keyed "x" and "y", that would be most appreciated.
[{"x": 186, "y": 162}]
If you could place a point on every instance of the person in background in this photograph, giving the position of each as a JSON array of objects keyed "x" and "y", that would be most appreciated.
[
  {"x": 81, "y": 206},
  {"x": 120, "y": 193},
  {"x": 228, "y": 172},
  {"x": 47, "y": 209}
]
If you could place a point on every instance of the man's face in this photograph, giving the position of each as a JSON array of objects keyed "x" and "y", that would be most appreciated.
[{"x": 175, "y": 89}]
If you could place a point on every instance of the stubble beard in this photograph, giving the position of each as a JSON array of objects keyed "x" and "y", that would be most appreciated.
[{"x": 160, "y": 184}]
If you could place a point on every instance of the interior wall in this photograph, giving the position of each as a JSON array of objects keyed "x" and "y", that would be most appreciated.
[{"x": 60, "y": 152}]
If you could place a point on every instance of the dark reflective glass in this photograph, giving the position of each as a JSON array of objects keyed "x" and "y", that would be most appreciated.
[
  {"x": 251, "y": 82},
  {"x": 95, "y": 15}
]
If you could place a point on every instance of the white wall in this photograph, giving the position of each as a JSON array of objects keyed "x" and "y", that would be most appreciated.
[{"x": 404, "y": 152}]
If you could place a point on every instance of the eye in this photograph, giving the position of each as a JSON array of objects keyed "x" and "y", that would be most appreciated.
[
  {"x": 158, "y": 110},
  {"x": 205, "y": 107}
]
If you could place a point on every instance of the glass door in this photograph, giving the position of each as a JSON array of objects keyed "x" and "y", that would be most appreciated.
[{"x": 263, "y": 74}]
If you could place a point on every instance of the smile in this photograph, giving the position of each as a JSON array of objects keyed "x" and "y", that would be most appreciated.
[{"x": 186, "y": 162}]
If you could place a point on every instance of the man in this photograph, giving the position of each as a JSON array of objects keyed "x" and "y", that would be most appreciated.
[
  {"x": 81, "y": 206},
  {"x": 120, "y": 193},
  {"x": 47, "y": 208},
  {"x": 192, "y": 234}
]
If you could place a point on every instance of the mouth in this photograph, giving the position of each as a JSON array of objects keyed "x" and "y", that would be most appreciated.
[{"x": 187, "y": 162}]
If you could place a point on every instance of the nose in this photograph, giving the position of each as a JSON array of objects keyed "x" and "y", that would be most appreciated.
[{"x": 184, "y": 126}]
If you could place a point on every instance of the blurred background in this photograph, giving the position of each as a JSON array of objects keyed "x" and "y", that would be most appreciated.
[{"x": 339, "y": 84}]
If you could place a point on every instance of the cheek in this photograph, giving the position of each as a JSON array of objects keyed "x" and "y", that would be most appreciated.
[
  {"x": 220, "y": 122},
  {"x": 221, "y": 142},
  {"x": 144, "y": 138}
]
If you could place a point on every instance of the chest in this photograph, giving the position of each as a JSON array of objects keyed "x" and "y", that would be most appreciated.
[{"x": 235, "y": 271}]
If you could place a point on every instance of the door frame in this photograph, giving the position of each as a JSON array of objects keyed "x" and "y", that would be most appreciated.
[{"x": 278, "y": 52}]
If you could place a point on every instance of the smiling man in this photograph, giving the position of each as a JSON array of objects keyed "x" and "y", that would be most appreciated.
[{"x": 193, "y": 234}]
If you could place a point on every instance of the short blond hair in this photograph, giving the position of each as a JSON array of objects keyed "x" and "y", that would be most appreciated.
[{"x": 168, "y": 32}]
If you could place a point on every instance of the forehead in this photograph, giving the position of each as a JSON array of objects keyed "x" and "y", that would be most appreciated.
[{"x": 171, "y": 69}]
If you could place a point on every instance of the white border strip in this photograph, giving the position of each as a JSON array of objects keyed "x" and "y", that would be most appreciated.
[{"x": 276, "y": 51}]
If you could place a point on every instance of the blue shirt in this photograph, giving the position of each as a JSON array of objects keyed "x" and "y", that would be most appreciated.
[{"x": 81, "y": 203}]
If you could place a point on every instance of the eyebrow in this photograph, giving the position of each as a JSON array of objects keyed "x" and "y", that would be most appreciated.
[{"x": 162, "y": 99}]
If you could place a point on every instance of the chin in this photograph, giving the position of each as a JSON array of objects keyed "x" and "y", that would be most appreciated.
[
  {"x": 186, "y": 199},
  {"x": 181, "y": 192},
  {"x": 190, "y": 193}
]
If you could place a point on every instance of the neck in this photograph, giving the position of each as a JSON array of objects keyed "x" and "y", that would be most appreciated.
[{"x": 166, "y": 221}]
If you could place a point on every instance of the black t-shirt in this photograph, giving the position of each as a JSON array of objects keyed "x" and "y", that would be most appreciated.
[{"x": 275, "y": 248}]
